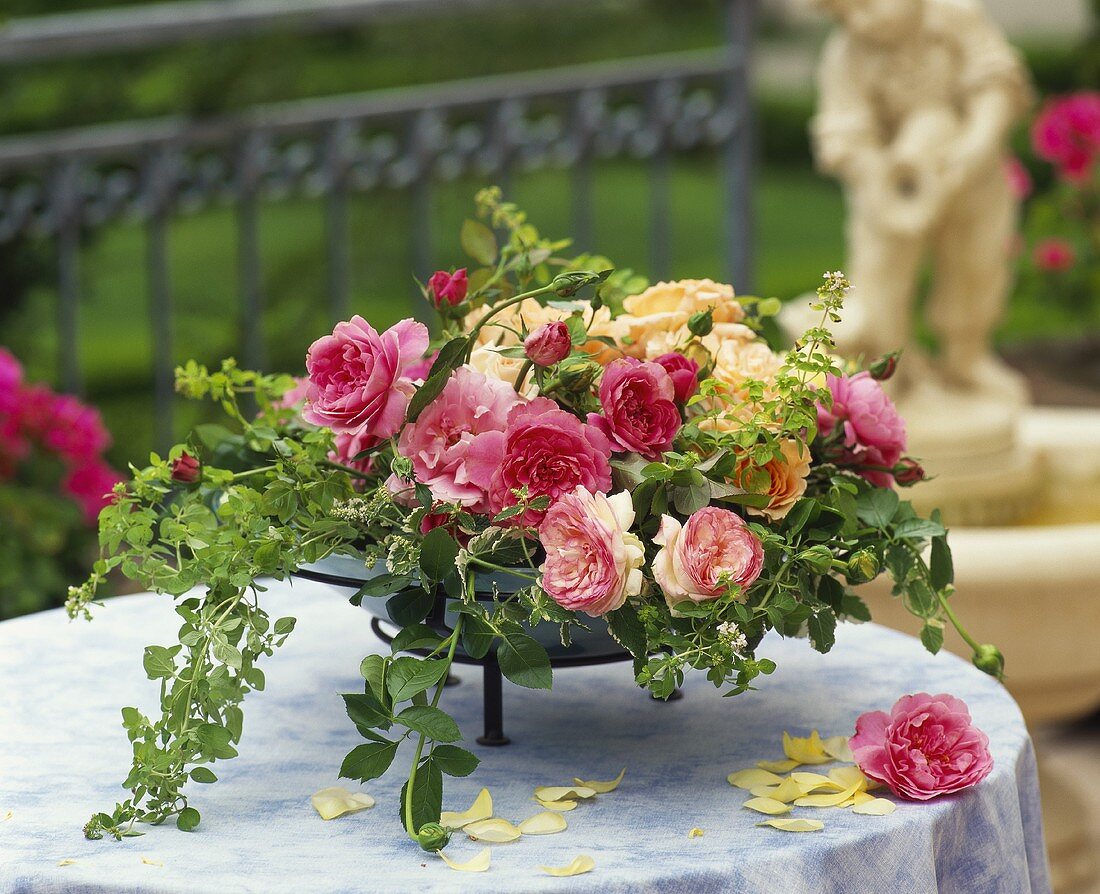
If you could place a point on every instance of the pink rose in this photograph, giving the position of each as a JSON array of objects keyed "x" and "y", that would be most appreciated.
[
  {"x": 1019, "y": 180},
  {"x": 358, "y": 378},
  {"x": 874, "y": 434},
  {"x": 1067, "y": 134},
  {"x": 11, "y": 377},
  {"x": 91, "y": 485},
  {"x": 448, "y": 288},
  {"x": 593, "y": 563},
  {"x": 925, "y": 747},
  {"x": 418, "y": 372},
  {"x": 73, "y": 429},
  {"x": 548, "y": 344},
  {"x": 700, "y": 559},
  {"x": 684, "y": 373},
  {"x": 639, "y": 407},
  {"x": 1054, "y": 255},
  {"x": 546, "y": 450},
  {"x": 468, "y": 417},
  {"x": 186, "y": 469},
  {"x": 295, "y": 395}
]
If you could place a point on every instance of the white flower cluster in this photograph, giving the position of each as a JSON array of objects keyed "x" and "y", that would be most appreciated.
[
  {"x": 734, "y": 637},
  {"x": 837, "y": 281}
]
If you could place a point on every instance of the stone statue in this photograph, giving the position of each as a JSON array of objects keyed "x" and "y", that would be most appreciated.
[{"x": 916, "y": 100}]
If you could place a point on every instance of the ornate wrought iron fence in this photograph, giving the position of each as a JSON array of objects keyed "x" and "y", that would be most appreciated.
[{"x": 62, "y": 184}]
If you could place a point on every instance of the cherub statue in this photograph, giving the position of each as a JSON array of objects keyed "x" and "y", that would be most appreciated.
[{"x": 916, "y": 100}]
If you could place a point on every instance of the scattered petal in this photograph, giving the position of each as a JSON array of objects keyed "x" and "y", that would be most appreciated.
[
  {"x": 857, "y": 798},
  {"x": 875, "y": 807},
  {"x": 834, "y": 799},
  {"x": 753, "y": 777},
  {"x": 497, "y": 831},
  {"x": 478, "y": 863},
  {"x": 847, "y": 776},
  {"x": 560, "y": 806},
  {"x": 783, "y": 766},
  {"x": 481, "y": 809},
  {"x": 601, "y": 788},
  {"x": 563, "y": 792},
  {"x": 805, "y": 751},
  {"x": 794, "y": 825},
  {"x": 787, "y": 791},
  {"x": 580, "y": 865},
  {"x": 336, "y": 801},
  {"x": 767, "y": 805},
  {"x": 837, "y": 748},
  {"x": 149, "y": 862},
  {"x": 66, "y": 862},
  {"x": 7, "y": 816},
  {"x": 545, "y": 823},
  {"x": 696, "y": 833},
  {"x": 814, "y": 782}
]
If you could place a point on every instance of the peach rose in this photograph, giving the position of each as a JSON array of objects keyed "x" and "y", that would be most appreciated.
[
  {"x": 736, "y": 361},
  {"x": 786, "y": 480},
  {"x": 655, "y": 321}
]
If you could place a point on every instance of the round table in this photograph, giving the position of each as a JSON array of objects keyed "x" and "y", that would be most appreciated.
[{"x": 63, "y": 753}]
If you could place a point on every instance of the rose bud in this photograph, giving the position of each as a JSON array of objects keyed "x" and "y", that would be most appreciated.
[
  {"x": 684, "y": 373},
  {"x": 886, "y": 365},
  {"x": 448, "y": 288},
  {"x": 566, "y": 285},
  {"x": 433, "y": 837},
  {"x": 988, "y": 658},
  {"x": 863, "y": 566},
  {"x": 578, "y": 374},
  {"x": 548, "y": 344},
  {"x": 701, "y": 323},
  {"x": 908, "y": 472},
  {"x": 186, "y": 469}
]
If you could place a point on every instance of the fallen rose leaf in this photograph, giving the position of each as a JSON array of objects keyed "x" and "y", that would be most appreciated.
[
  {"x": 837, "y": 748},
  {"x": 767, "y": 805},
  {"x": 580, "y": 865},
  {"x": 563, "y": 792},
  {"x": 794, "y": 825},
  {"x": 560, "y": 806},
  {"x": 875, "y": 807},
  {"x": 783, "y": 766},
  {"x": 481, "y": 809},
  {"x": 478, "y": 863},
  {"x": 336, "y": 801},
  {"x": 806, "y": 751},
  {"x": 543, "y": 824},
  {"x": 696, "y": 833},
  {"x": 753, "y": 777},
  {"x": 497, "y": 831},
  {"x": 601, "y": 788}
]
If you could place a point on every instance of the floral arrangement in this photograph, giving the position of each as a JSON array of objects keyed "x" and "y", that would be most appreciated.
[
  {"x": 1063, "y": 261},
  {"x": 637, "y": 458},
  {"x": 53, "y": 482}
]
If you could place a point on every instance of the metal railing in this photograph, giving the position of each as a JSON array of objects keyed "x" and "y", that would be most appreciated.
[{"x": 60, "y": 185}]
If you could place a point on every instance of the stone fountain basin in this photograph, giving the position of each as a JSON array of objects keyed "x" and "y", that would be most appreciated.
[{"x": 1033, "y": 588}]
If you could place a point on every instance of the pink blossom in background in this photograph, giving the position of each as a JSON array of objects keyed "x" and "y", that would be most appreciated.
[
  {"x": 699, "y": 558},
  {"x": 925, "y": 747},
  {"x": 348, "y": 447},
  {"x": 874, "y": 433},
  {"x": 593, "y": 563},
  {"x": 1019, "y": 179},
  {"x": 358, "y": 378},
  {"x": 295, "y": 395},
  {"x": 1054, "y": 255},
  {"x": 448, "y": 288},
  {"x": 547, "y": 450},
  {"x": 90, "y": 485},
  {"x": 639, "y": 412},
  {"x": 684, "y": 373},
  {"x": 467, "y": 418},
  {"x": 74, "y": 430},
  {"x": 550, "y": 343},
  {"x": 11, "y": 377},
  {"x": 1067, "y": 134}
]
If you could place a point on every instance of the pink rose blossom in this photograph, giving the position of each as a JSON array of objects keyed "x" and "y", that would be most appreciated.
[
  {"x": 418, "y": 372},
  {"x": 186, "y": 469},
  {"x": 699, "y": 559},
  {"x": 1067, "y": 134},
  {"x": 548, "y": 344},
  {"x": 1054, "y": 255},
  {"x": 90, "y": 485},
  {"x": 546, "y": 450},
  {"x": 73, "y": 429},
  {"x": 295, "y": 395},
  {"x": 593, "y": 563},
  {"x": 448, "y": 288},
  {"x": 874, "y": 433},
  {"x": 639, "y": 407},
  {"x": 1019, "y": 179},
  {"x": 468, "y": 417},
  {"x": 684, "y": 373},
  {"x": 11, "y": 377},
  {"x": 358, "y": 379},
  {"x": 925, "y": 747}
]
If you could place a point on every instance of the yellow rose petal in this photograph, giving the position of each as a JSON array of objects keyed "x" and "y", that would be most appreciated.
[
  {"x": 794, "y": 825},
  {"x": 814, "y": 782},
  {"x": 857, "y": 798},
  {"x": 563, "y": 792},
  {"x": 696, "y": 833},
  {"x": 497, "y": 831},
  {"x": 580, "y": 865},
  {"x": 66, "y": 862},
  {"x": 336, "y": 801},
  {"x": 875, "y": 807},
  {"x": 475, "y": 864},
  {"x": 149, "y": 862},
  {"x": 769, "y": 806},
  {"x": 837, "y": 748},
  {"x": 481, "y": 809},
  {"x": 602, "y": 788},
  {"x": 783, "y": 766},
  {"x": 831, "y": 800},
  {"x": 753, "y": 777},
  {"x": 560, "y": 806},
  {"x": 847, "y": 776},
  {"x": 805, "y": 751},
  {"x": 787, "y": 791},
  {"x": 545, "y": 823},
  {"x": 7, "y": 816}
]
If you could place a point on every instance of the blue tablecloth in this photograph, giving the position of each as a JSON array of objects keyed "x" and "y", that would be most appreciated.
[{"x": 63, "y": 754}]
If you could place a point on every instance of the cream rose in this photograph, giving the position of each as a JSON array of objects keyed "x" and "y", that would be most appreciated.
[{"x": 655, "y": 320}]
